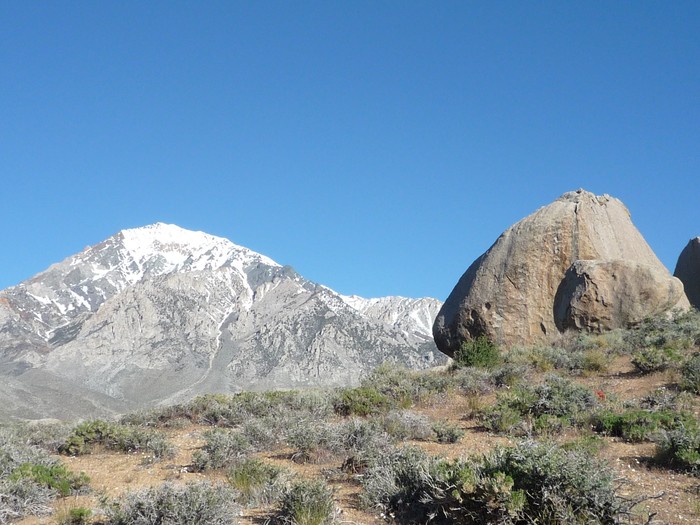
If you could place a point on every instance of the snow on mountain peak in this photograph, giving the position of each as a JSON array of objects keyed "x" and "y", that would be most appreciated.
[{"x": 178, "y": 248}]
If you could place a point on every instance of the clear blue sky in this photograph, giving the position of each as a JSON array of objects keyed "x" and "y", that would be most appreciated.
[{"x": 377, "y": 147}]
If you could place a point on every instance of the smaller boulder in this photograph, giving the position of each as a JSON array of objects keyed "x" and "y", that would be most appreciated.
[
  {"x": 688, "y": 271},
  {"x": 600, "y": 295}
]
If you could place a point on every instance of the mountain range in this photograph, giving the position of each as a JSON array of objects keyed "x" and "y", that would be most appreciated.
[{"x": 160, "y": 314}]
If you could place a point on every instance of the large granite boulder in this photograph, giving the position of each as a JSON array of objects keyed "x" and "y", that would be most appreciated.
[
  {"x": 508, "y": 294},
  {"x": 604, "y": 295},
  {"x": 688, "y": 271}
]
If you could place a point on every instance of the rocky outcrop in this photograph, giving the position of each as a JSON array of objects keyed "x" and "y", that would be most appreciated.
[
  {"x": 508, "y": 294},
  {"x": 688, "y": 271},
  {"x": 604, "y": 295}
]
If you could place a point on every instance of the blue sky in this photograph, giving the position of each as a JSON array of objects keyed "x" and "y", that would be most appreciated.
[{"x": 377, "y": 147}]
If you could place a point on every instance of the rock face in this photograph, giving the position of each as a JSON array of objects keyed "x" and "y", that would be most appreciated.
[
  {"x": 688, "y": 271},
  {"x": 555, "y": 269},
  {"x": 160, "y": 314},
  {"x": 603, "y": 295}
]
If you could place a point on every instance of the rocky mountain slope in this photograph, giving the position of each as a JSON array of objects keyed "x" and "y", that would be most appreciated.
[{"x": 160, "y": 314}]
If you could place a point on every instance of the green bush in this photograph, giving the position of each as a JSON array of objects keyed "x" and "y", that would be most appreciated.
[
  {"x": 503, "y": 419},
  {"x": 555, "y": 403},
  {"x": 361, "y": 401},
  {"x": 680, "y": 449},
  {"x": 446, "y": 432},
  {"x": 595, "y": 361},
  {"x": 55, "y": 477},
  {"x": 20, "y": 494},
  {"x": 654, "y": 359},
  {"x": 640, "y": 425},
  {"x": 198, "y": 503},
  {"x": 222, "y": 448},
  {"x": 589, "y": 445},
  {"x": 479, "y": 352},
  {"x": 530, "y": 483},
  {"x": 307, "y": 502},
  {"x": 74, "y": 516},
  {"x": 114, "y": 437},
  {"x": 258, "y": 482},
  {"x": 690, "y": 374}
]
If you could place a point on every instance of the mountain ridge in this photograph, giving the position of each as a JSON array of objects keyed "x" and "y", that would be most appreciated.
[{"x": 161, "y": 313}]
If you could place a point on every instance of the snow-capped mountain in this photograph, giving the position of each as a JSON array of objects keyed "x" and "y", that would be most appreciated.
[{"x": 160, "y": 313}]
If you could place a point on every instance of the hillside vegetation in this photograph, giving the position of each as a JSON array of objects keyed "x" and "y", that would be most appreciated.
[{"x": 595, "y": 429}]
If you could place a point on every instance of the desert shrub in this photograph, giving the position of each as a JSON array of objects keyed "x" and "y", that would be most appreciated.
[
  {"x": 405, "y": 424},
  {"x": 690, "y": 374},
  {"x": 74, "y": 516},
  {"x": 198, "y": 503},
  {"x": 14, "y": 453},
  {"x": 472, "y": 381},
  {"x": 595, "y": 361},
  {"x": 307, "y": 502},
  {"x": 530, "y": 483},
  {"x": 578, "y": 357},
  {"x": 22, "y": 497},
  {"x": 548, "y": 425},
  {"x": 30, "y": 478},
  {"x": 681, "y": 331},
  {"x": 266, "y": 432},
  {"x": 397, "y": 476},
  {"x": 659, "y": 399},
  {"x": 542, "y": 358},
  {"x": 680, "y": 449},
  {"x": 222, "y": 448},
  {"x": 611, "y": 342},
  {"x": 640, "y": 425},
  {"x": 299, "y": 403},
  {"x": 561, "y": 397},
  {"x": 589, "y": 445},
  {"x": 55, "y": 477},
  {"x": 358, "y": 441},
  {"x": 114, "y": 437},
  {"x": 312, "y": 440},
  {"x": 540, "y": 407},
  {"x": 446, "y": 432},
  {"x": 89, "y": 433},
  {"x": 504, "y": 419},
  {"x": 404, "y": 387},
  {"x": 232, "y": 410},
  {"x": 361, "y": 401},
  {"x": 509, "y": 375},
  {"x": 653, "y": 359},
  {"x": 46, "y": 436},
  {"x": 479, "y": 352},
  {"x": 362, "y": 442},
  {"x": 258, "y": 482}
]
